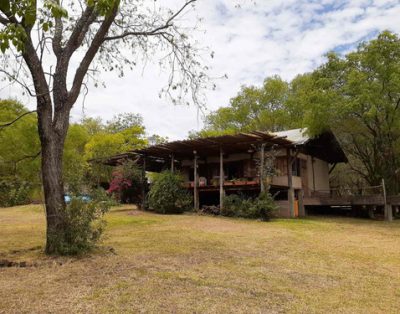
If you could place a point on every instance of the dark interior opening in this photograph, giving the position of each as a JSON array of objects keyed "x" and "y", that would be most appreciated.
[{"x": 345, "y": 211}]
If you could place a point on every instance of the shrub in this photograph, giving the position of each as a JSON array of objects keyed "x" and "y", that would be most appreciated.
[
  {"x": 167, "y": 194},
  {"x": 127, "y": 183},
  {"x": 261, "y": 207},
  {"x": 264, "y": 206},
  {"x": 14, "y": 192},
  {"x": 84, "y": 223},
  {"x": 232, "y": 205}
]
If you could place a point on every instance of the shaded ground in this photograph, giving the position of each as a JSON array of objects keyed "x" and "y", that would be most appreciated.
[{"x": 202, "y": 264}]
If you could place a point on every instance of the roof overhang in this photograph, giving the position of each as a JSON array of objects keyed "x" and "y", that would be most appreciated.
[{"x": 324, "y": 146}]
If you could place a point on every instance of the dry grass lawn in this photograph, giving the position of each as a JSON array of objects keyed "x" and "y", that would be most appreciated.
[{"x": 197, "y": 264}]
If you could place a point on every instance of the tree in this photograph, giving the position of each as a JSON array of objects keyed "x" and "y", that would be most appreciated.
[
  {"x": 156, "y": 139},
  {"x": 75, "y": 166},
  {"x": 123, "y": 133},
  {"x": 253, "y": 108},
  {"x": 358, "y": 97},
  {"x": 96, "y": 33},
  {"x": 124, "y": 121},
  {"x": 19, "y": 142},
  {"x": 19, "y": 154}
]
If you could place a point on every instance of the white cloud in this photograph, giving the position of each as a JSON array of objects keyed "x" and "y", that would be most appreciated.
[{"x": 250, "y": 43}]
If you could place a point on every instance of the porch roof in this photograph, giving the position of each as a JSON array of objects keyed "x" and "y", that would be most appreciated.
[
  {"x": 236, "y": 143},
  {"x": 325, "y": 147}
]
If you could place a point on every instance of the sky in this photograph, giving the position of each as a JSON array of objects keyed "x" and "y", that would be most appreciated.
[{"x": 250, "y": 43}]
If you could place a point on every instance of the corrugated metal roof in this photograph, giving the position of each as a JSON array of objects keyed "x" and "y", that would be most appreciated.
[{"x": 297, "y": 136}]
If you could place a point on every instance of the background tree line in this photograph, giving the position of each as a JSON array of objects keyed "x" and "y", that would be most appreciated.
[
  {"x": 357, "y": 96},
  {"x": 90, "y": 138}
]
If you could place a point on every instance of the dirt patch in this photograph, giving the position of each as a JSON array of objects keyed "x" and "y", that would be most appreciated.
[{"x": 135, "y": 213}]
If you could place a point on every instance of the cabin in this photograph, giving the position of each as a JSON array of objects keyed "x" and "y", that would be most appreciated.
[{"x": 296, "y": 166}]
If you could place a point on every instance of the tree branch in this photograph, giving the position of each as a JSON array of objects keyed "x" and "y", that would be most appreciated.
[
  {"x": 58, "y": 36},
  {"x": 80, "y": 30},
  {"x": 2, "y": 126},
  {"x": 44, "y": 101},
  {"x": 90, "y": 54},
  {"x": 156, "y": 31},
  {"x": 33, "y": 157}
]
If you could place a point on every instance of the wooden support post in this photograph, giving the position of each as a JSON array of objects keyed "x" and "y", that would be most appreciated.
[
  {"x": 172, "y": 163},
  {"x": 262, "y": 168},
  {"x": 144, "y": 183},
  {"x": 313, "y": 173},
  {"x": 221, "y": 179},
  {"x": 302, "y": 210},
  {"x": 290, "y": 182},
  {"x": 387, "y": 207},
  {"x": 195, "y": 184}
]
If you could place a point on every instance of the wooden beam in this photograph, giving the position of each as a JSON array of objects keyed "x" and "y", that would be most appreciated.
[
  {"x": 262, "y": 168},
  {"x": 313, "y": 173},
  {"x": 144, "y": 182},
  {"x": 332, "y": 168},
  {"x": 302, "y": 210},
  {"x": 172, "y": 163},
  {"x": 387, "y": 207},
  {"x": 221, "y": 179},
  {"x": 195, "y": 183},
  {"x": 290, "y": 182}
]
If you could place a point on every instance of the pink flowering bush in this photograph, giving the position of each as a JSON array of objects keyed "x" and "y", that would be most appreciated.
[
  {"x": 118, "y": 182},
  {"x": 127, "y": 183}
]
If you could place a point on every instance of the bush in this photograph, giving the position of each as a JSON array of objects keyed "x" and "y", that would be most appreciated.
[
  {"x": 261, "y": 207},
  {"x": 127, "y": 183},
  {"x": 167, "y": 194},
  {"x": 264, "y": 206},
  {"x": 14, "y": 192},
  {"x": 232, "y": 205},
  {"x": 84, "y": 223}
]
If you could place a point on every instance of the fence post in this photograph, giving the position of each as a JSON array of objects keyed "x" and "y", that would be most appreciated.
[{"x": 387, "y": 207}]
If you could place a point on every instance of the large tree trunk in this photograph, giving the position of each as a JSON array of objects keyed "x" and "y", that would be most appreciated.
[
  {"x": 53, "y": 186},
  {"x": 52, "y": 137}
]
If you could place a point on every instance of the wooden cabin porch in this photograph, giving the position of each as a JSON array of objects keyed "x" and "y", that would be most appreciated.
[{"x": 221, "y": 165}]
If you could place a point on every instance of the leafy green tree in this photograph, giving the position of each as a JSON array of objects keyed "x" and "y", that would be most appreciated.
[
  {"x": 75, "y": 166},
  {"x": 124, "y": 121},
  {"x": 19, "y": 142},
  {"x": 156, "y": 139},
  {"x": 254, "y": 108},
  {"x": 123, "y": 133},
  {"x": 358, "y": 96},
  {"x": 38, "y": 40},
  {"x": 92, "y": 125}
]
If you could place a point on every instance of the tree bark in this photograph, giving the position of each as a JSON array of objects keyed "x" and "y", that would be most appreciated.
[
  {"x": 54, "y": 195},
  {"x": 52, "y": 164}
]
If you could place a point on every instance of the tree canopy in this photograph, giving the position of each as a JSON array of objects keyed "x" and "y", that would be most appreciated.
[{"x": 19, "y": 142}]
